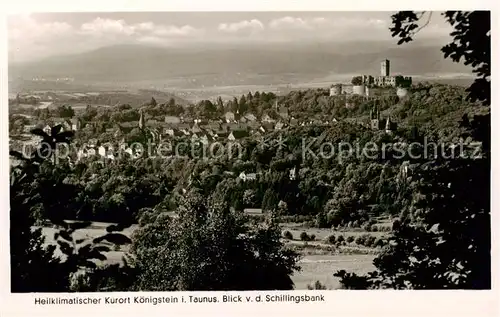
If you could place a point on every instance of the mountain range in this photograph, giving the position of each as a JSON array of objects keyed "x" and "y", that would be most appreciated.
[{"x": 243, "y": 64}]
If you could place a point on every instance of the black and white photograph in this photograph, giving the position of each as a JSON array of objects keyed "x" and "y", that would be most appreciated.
[{"x": 249, "y": 151}]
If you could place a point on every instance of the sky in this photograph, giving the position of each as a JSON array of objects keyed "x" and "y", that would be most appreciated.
[{"x": 40, "y": 35}]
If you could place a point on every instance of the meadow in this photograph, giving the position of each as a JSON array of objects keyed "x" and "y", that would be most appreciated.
[{"x": 317, "y": 264}]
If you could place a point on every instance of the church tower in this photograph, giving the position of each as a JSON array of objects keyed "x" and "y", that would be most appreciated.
[
  {"x": 374, "y": 118},
  {"x": 142, "y": 125}
]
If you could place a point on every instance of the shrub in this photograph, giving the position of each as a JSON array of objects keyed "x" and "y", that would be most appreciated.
[
  {"x": 355, "y": 224},
  {"x": 379, "y": 243},
  {"x": 350, "y": 239},
  {"x": 331, "y": 239},
  {"x": 374, "y": 228},
  {"x": 367, "y": 227},
  {"x": 360, "y": 240},
  {"x": 340, "y": 238},
  {"x": 312, "y": 237},
  {"x": 211, "y": 235},
  {"x": 304, "y": 236},
  {"x": 288, "y": 235},
  {"x": 317, "y": 285},
  {"x": 369, "y": 241},
  {"x": 396, "y": 224}
]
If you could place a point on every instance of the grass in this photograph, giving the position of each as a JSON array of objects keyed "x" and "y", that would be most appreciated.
[
  {"x": 318, "y": 263},
  {"x": 322, "y": 234},
  {"x": 321, "y": 268}
]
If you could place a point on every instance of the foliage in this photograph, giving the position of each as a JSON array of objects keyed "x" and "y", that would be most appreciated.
[
  {"x": 357, "y": 80},
  {"x": 331, "y": 239},
  {"x": 209, "y": 247},
  {"x": 33, "y": 266},
  {"x": 304, "y": 236},
  {"x": 288, "y": 235},
  {"x": 316, "y": 286},
  {"x": 471, "y": 42}
]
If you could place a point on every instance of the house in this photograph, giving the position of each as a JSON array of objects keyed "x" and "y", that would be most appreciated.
[
  {"x": 267, "y": 119},
  {"x": 253, "y": 125},
  {"x": 237, "y": 134},
  {"x": 253, "y": 211},
  {"x": 75, "y": 124},
  {"x": 212, "y": 125},
  {"x": 195, "y": 128},
  {"x": 247, "y": 177},
  {"x": 172, "y": 120},
  {"x": 169, "y": 131},
  {"x": 152, "y": 123},
  {"x": 266, "y": 127},
  {"x": 283, "y": 112},
  {"x": 47, "y": 129},
  {"x": 229, "y": 116},
  {"x": 250, "y": 117},
  {"x": 187, "y": 120},
  {"x": 205, "y": 139},
  {"x": 280, "y": 125},
  {"x": 232, "y": 126}
]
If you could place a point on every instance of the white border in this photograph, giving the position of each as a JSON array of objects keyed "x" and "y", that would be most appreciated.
[{"x": 338, "y": 303}]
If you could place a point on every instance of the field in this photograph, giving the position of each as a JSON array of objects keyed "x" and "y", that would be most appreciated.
[{"x": 314, "y": 267}]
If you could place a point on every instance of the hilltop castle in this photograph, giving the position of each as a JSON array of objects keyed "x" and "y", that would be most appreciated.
[{"x": 385, "y": 79}]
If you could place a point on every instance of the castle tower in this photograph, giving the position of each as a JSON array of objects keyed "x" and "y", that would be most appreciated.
[
  {"x": 385, "y": 67},
  {"x": 142, "y": 125}
]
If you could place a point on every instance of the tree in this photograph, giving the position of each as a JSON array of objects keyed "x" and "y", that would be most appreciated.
[
  {"x": 471, "y": 42},
  {"x": 209, "y": 247},
  {"x": 357, "y": 80},
  {"x": 65, "y": 111},
  {"x": 153, "y": 102},
  {"x": 270, "y": 200},
  {"x": 220, "y": 106},
  {"x": 447, "y": 245},
  {"x": 35, "y": 268}
]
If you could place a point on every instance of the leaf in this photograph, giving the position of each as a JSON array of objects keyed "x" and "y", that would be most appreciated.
[
  {"x": 95, "y": 254},
  {"x": 102, "y": 248},
  {"x": 40, "y": 132},
  {"x": 17, "y": 155},
  {"x": 112, "y": 228},
  {"x": 65, "y": 135},
  {"x": 116, "y": 238},
  {"x": 89, "y": 264},
  {"x": 55, "y": 130},
  {"x": 65, "y": 235},
  {"x": 65, "y": 248}
]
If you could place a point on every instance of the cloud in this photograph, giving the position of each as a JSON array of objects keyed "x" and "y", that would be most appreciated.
[
  {"x": 251, "y": 26},
  {"x": 99, "y": 27},
  {"x": 298, "y": 23},
  {"x": 185, "y": 30},
  {"x": 29, "y": 38},
  {"x": 25, "y": 27}
]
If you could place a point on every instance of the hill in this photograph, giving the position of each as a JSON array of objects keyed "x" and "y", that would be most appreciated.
[{"x": 237, "y": 65}]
